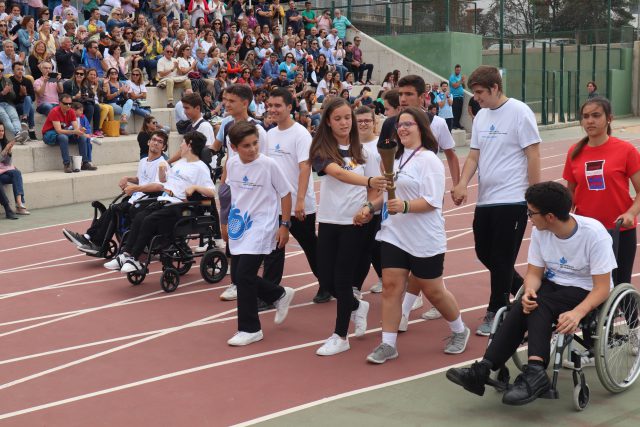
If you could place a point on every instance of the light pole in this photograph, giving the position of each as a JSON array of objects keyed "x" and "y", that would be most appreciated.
[{"x": 501, "y": 51}]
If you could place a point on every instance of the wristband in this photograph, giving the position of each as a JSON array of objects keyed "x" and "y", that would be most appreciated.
[
  {"x": 369, "y": 182},
  {"x": 406, "y": 207}
]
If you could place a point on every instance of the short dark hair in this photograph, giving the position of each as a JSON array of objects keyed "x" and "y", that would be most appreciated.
[
  {"x": 196, "y": 140},
  {"x": 64, "y": 96},
  {"x": 363, "y": 109},
  {"x": 282, "y": 93},
  {"x": 240, "y": 130},
  {"x": 485, "y": 76},
  {"x": 392, "y": 97},
  {"x": 550, "y": 197},
  {"x": 15, "y": 64},
  {"x": 76, "y": 105},
  {"x": 413, "y": 80},
  {"x": 193, "y": 100},
  {"x": 163, "y": 135},
  {"x": 241, "y": 91},
  {"x": 595, "y": 86}
]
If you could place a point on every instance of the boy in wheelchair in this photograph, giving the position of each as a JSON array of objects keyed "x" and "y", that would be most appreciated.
[
  {"x": 93, "y": 241},
  {"x": 186, "y": 177},
  {"x": 569, "y": 275}
]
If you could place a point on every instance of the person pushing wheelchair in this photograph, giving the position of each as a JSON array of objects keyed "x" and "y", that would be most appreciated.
[{"x": 569, "y": 275}]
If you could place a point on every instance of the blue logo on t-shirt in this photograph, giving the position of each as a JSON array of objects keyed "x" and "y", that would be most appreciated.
[
  {"x": 563, "y": 261},
  {"x": 238, "y": 223},
  {"x": 549, "y": 274},
  {"x": 492, "y": 128},
  {"x": 245, "y": 179},
  {"x": 277, "y": 147}
]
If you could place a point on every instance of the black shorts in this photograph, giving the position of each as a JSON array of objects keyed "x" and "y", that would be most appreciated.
[
  {"x": 423, "y": 268},
  {"x": 224, "y": 195}
]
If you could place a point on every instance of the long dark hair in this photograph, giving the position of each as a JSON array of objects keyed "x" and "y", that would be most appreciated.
[
  {"x": 325, "y": 146},
  {"x": 3, "y": 140},
  {"x": 606, "y": 107},
  {"x": 427, "y": 140}
]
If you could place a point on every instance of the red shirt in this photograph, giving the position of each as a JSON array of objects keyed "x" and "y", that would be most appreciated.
[
  {"x": 56, "y": 116},
  {"x": 601, "y": 175}
]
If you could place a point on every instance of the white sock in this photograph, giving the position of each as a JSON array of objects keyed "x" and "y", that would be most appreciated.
[
  {"x": 389, "y": 338},
  {"x": 86, "y": 236},
  {"x": 457, "y": 326},
  {"x": 407, "y": 303}
]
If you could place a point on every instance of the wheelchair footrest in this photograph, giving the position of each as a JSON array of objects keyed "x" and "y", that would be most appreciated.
[{"x": 551, "y": 394}]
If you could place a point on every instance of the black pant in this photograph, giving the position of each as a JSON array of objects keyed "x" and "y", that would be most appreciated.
[
  {"x": 244, "y": 269},
  {"x": 305, "y": 233},
  {"x": 449, "y": 123},
  {"x": 358, "y": 72},
  {"x": 552, "y": 300},
  {"x": 370, "y": 254},
  {"x": 4, "y": 201},
  {"x": 457, "y": 111},
  {"x": 626, "y": 256},
  {"x": 151, "y": 221},
  {"x": 498, "y": 232},
  {"x": 337, "y": 246},
  {"x": 104, "y": 226}
]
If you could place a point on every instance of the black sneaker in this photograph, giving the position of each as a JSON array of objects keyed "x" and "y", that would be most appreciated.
[
  {"x": 32, "y": 135},
  {"x": 473, "y": 379},
  {"x": 10, "y": 214},
  {"x": 75, "y": 238},
  {"x": 89, "y": 248},
  {"x": 322, "y": 296},
  {"x": 532, "y": 383},
  {"x": 263, "y": 306}
]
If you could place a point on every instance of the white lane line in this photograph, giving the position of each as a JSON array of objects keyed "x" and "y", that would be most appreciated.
[
  {"x": 210, "y": 366},
  {"x": 53, "y": 286},
  {"x": 42, "y": 267},
  {"x": 460, "y": 235},
  {"x": 10, "y": 270},
  {"x": 44, "y": 226},
  {"x": 31, "y": 245},
  {"x": 124, "y": 346},
  {"x": 455, "y": 230}
]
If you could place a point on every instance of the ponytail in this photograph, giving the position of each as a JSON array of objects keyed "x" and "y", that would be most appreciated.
[{"x": 579, "y": 146}]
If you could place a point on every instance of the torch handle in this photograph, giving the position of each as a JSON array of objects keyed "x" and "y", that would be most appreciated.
[{"x": 391, "y": 187}]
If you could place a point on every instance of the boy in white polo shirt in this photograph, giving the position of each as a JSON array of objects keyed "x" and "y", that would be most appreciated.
[{"x": 258, "y": 187}]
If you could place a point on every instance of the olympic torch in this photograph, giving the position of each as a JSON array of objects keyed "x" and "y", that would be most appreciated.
[{"x": 387, "y": 150}]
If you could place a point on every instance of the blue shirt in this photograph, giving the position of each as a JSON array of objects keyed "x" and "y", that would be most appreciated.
[
  {"x": 457, "y": 92},
  {"x": 272, "y": 70},
  {"x": 445, "y": 111}
]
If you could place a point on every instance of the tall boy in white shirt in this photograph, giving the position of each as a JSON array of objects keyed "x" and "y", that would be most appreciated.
[{"x": 258, "y": 187}]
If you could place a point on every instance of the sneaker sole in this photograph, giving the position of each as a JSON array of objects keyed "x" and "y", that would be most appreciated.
[
  {"x": 227, "y": 298},
  {"x": 88, "y": 251},
  {"x": 380, "y": 362},
  {"x": 482, "y": 334},
  {"x": 528, "y": 399},
  {"x": 454, "y": 379},
  {"x": 334, "y": 353},
  {"x": 256, "y": 339},
  {"x": 289, "y": 298}
]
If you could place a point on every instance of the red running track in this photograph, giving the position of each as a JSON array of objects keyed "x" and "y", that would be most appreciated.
[{"x": 80, "y": 343}]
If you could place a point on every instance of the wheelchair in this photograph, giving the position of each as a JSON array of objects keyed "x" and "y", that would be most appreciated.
[
  {"x": 609, "y": 333},
  {"x": 175, "y": 254}
]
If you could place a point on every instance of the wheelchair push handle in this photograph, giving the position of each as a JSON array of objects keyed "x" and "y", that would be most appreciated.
[{"x": 616, "y": 237}]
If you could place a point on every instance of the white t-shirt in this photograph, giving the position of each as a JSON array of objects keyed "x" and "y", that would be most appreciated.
[
  {"x": 322, "y": 84},
  {"x": 147, "y": 173},
  {"x": 339, "y": 201},
  {"x": 137, "y": 89},
  {"x": 204, "y": 128},
  {"x": 441, "y": 132},
  {"x": 372, "y": 149},
  {"x": 184, "y": 174},
  {"x": 572, "y": 261},
  {"x": 221, "y": 136},
  {"x": 501, "y": 135},
  {"x": 420, "y": 234},
  {"x": 256, "y": 190},
  {"x": 289, "y": 148}
]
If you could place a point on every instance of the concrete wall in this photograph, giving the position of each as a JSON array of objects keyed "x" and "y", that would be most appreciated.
[
  {"x": 635, "y": 76},
  {"x": 386, "y": 59},
  {"x": 439, "y": 52}
]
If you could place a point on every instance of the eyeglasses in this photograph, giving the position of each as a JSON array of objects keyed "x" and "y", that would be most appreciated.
[
  {"x": 405, "y": 125},
  {"x": 128, "y": 33},
  {"x": 365, "y": 121},
  {"x": 113, "y": 73},
  {"x": 531, "y": 213},
  {"x": 68, "y": 104}
]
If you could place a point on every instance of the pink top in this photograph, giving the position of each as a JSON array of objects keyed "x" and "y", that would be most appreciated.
[{"x": 50, "y": 95}]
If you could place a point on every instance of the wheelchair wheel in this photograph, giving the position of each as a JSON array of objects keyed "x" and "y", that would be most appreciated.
[
  {"x": 617, "y": 364},
  {"x": 581, "y": 396},
  {"x": 112, "y": 249},
  {"x": 170, "y": 280},
  {"x": 213, "y": 266},
  {"x": 135, "y": 277},
  {"x": 183, "y": 267}
]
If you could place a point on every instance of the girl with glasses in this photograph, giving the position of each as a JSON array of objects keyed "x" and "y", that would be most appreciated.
[
  {"x": 106, "y": 111},
  {"x": 82, "y": 93},
  {"x": 413, "y": 239},
  {"x": 115, "y": 93}
]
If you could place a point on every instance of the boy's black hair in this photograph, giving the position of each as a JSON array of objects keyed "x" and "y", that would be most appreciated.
[
  {"x": 240, "y": 130},
  {"x": 196, "y": 140},
  {"x": 550, "y": 197}
]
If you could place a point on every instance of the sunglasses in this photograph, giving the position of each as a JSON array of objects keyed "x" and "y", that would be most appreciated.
[
  {"x": 113, "y": 73},
  {"x": 136, "y": 74},
  {"x": 154, "y": 123},
  {"x": 79, "y": 73},
  {"x": 68, "y": 104}
]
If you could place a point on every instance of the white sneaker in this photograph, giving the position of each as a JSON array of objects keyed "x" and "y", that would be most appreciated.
[
  {"x": 376, "y": 288},
  {"x": 431, "y": 314},
  {"x": 585, "y": 361},
  {"x": 95, "y": 141},
  {"x": 357, "y": 293},
  {"x": 245, "y": 338},
  {"x": 220, "y": 243},
  {"x": 131, "y": 265},
  {"x": 333, "y": 345},
  {"x": 359, "y": 318},
  {"x": 404, "y": 324},
  {"x": 418, "y": 302},
  {"x": 116, "y": 263},
  {"x": 282, "y": 305},
  {"x": 230, "y": 294},
  {"x": 200, "y": 249}
]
